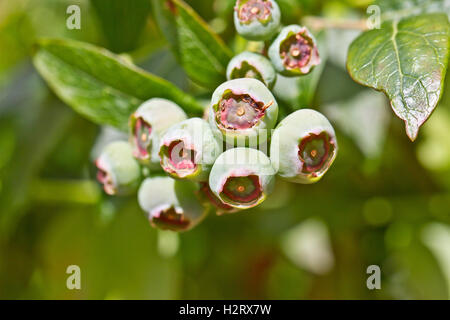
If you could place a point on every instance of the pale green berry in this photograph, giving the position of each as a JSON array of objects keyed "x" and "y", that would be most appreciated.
[
  {"x": 252, "y": 65},
  {"x": 188, "y": 150},
  {"x": 257, "y": 20},
  {"x": 171, "y": 204},
  {"x": 118, "y": 171},
  {"x": 148, "y": 123},
  {"x": 294, "y": 51},
  {"x": 242, "y": 177},
  {"x": 243, "y": 111},
  {"x": 303, "y": 146}
]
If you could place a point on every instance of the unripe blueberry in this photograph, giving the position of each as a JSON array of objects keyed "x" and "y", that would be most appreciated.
[
  {"x": 171, "y": 204},
  {"x": 118, "y": 171},
  {"x": 257, "y": 19},
  {"x": 242, "y": 177},
  {"x": 147, "y": 124},
  {"x": 210, "y": 198},
  {"x": 243, "y": 110},
  {"x": 252, "y": 65},
  {"x": 294, "y": 51},
  {"x": 303, "y": 146},
  {"x": 188, "y": 150}
]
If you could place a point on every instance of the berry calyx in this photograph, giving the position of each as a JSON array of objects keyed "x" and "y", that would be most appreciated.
[
  {"x": 242, "y": 189},
  {"x": 250, "y": 10},
  {"x": 294, "y": 52},
  {"x": 315, "y": 151},
  {"x": 243, "y": 110},
  {"x": 257, "y": 20},
  {"x": 142, "y": 138},
  {"x": 239, "y": 111}
]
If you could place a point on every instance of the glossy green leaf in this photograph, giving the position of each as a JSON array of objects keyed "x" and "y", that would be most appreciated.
[
  {"x": 407, "y": 60},
  {"x": 203, "y": 55},
  {"x": 99, "y": 85}
]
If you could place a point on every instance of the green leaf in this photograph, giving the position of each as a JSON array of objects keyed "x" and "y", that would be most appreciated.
[
  {"x": 203, "y": 55},
  {"x": 407, "y": 60},
  {"x": 100, "y": 85}
]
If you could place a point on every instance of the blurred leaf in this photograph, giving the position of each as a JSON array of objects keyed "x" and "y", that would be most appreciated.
[
  {"x": 200, "y": 51},
  {"x": 418, "y": 275},
  {"x": 299, "y": 92},
  {"x": 433, "y": 151},
  {"x": 338, "y": 42},
  {"x": 122, "y": 36},
  {"x": 104, "y": 258},
  {"x": 364, "y": 118},
  {"x": 99, "y": 85},
  {"x": 36, "y": 141},
  {"x": 308, "y": 246},
  {"x": 407, "y": 60},
  {"x": 434, "y": 235},
  {"x": 16, "y": 32}
]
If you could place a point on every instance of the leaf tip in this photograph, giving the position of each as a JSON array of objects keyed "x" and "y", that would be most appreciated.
[{"x": 412, "y": 130}]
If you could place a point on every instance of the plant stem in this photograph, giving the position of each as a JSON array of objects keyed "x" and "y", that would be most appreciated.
[{"x": 320, "y": 23}]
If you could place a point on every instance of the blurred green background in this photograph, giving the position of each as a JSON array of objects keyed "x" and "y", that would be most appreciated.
[{"x": 385, "y": 201}]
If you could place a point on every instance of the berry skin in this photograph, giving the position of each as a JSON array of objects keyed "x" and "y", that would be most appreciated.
[
  {"x": 252, "y": 65},
  {"x": 257, "y": 20},
  {"x": 171, "y": 204},
  {"x": 294, "y": 51},
  {"x": 242, "y": 177},
  {"x": 243, "y": 111},
  {"x": 118, "y": 171},
  {"x": 188, "y": 150},
  {"x": 148, "y": 123},
  {"x": 303, "y": 146}
]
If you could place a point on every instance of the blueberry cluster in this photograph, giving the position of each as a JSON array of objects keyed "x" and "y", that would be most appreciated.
[{"x": 228, "y": 160}]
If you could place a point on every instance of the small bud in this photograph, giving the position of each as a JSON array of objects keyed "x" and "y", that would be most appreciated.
[
  {"x": 118, "y": 171},
  {"x": 147, "y": 124},
  {"x": 303, "y": 146},
  {"x": 188, "y": 150},
  {"x": 171, "y": 205},
  {"x": 294, "y": 52},
  {"x": 252, "y": 65},
  {"x": 242, "y": 177},
  {"x": 257, "y": 19},
  {"x": 243, "y": 110}
]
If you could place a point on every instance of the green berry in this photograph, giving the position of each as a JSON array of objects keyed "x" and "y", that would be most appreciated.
[
  {"x": 242, "y": 177},
  {"x": 147, "y": 124},
  {"x": 243, "y": 111},
  {"x": 294, "y": 51},
  {"x": 188, "y": 150},
  {"x": 118, "y": 171},
  {"x": 303, "y": 146},
  {"x": 171, "y": 204},
  {"x": 257, "y": 20},
  {"x": 252, "y": 65}
]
